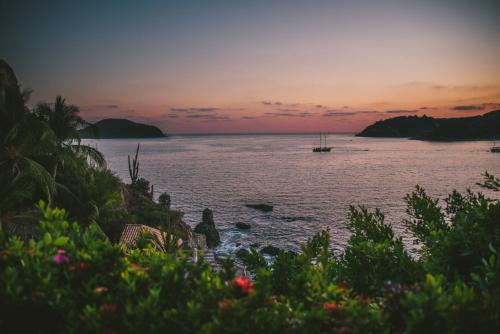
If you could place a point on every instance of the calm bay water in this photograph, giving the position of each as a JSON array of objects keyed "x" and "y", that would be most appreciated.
[{"x": 309, "y": 191}]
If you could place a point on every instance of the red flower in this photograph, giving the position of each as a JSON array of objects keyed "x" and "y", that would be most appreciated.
[
  {"x": 330, "y": 307},
  {"x": 244, "y": 284},
  {"x": 226, "y": 304},
  {"x": 343, "y": 285},
  {"x": 108, "y": 310},
  {"x": 38, "y": 293},
  {"x": 364, "y": 300},
  {"x": 78, "y": 266}
]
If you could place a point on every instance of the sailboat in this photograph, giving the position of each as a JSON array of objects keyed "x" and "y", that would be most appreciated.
[
  {"x": 495, "y": 149},
  {"x": 321, "y": 148}
]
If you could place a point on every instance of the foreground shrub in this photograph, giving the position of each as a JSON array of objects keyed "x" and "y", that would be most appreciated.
[
  {"x": 374, "y": 256},
  {"x": 72, "y": 279}
]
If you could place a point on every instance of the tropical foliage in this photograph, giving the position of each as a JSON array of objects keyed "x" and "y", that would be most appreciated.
[
  {"x": 72, "y": 280},
  {"x": 42, "y": 157}
]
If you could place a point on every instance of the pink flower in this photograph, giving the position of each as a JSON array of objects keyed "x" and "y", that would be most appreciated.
[
  {"x": 61, "y": 257},
  {"x": 245, "y": 285}
]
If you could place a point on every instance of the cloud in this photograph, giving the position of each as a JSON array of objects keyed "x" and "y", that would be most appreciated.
[
  {"x": 288, "y": 114},
  {"x": 453, "y": 88},
  {"x": 467, "y": 107},
  {"x": 278, "y": 103},
  {"x": 194, "y": 110},
  {"x": 248, "y": 117},
  {"x": 269, "y": 103},
  {"x": 491, "y": 105},
  {"x": 402, "y": 111},
  {"x": 104, "y": 106},
  {"x": 209, "y": 117},
  {"x": 334, "y": 113},
  {"x": 367, "y": 112},
  {"x": 288, "y": 110},
  {"x": 172, "y": 116},
  {"x": 320, "y": 106}
]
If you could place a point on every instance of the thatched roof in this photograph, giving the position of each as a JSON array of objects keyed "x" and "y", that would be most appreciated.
[{"x": 132, "y": 232}]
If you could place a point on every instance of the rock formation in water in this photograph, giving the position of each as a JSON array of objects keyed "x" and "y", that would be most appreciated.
[
  {"x": 486, "y": 126},
  {"x": 120, "y": 128},
  {"x": 243, "y": 226},
  {"x": 207, "y": 227},
  {"x": 270, "y": 250},
  {"x": 260, "y": 207}
]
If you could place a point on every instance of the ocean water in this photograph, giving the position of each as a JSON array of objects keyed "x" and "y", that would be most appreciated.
[{"x": 309, "y": 191}]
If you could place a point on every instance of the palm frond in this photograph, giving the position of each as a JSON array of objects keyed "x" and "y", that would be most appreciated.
[
  {"x": 39, "y": 175},
  {"x": 91, "y": 153}
]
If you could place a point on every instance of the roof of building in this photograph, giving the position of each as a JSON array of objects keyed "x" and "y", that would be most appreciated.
[{"x": 132, "y": 232}]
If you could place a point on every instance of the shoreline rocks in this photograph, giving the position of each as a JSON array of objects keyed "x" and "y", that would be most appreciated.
[
  {"x": 242, "y": 253},
  {"x": 270, "y": 250}
]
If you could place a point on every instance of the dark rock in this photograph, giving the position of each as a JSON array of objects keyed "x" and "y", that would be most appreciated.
[
  {"x": 261, "y": 207},
  {"x": 207, "y": 227},
  {"x": 242, "y": 253},
  {"x": 243, "y": 226},
  {"x": 270, "y": 250},
  {"x": 255, "y": 245}
]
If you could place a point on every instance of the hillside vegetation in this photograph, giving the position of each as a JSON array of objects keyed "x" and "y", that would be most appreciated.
[
  {"x": 486, "y": 126},
  {"x": 120, "y": 128}
]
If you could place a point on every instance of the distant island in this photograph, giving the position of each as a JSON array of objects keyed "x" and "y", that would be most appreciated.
[
  {"x": 484, "y": 127},
  {"x": 120, "y": 128}
]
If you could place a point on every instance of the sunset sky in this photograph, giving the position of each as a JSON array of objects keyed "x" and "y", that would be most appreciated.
[{"x": 258, "y": 66}]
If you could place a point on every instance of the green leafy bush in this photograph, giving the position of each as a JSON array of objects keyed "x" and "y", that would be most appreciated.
[{"x": 72, "y": 279}]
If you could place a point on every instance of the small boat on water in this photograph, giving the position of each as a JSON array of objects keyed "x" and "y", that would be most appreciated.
[{"x": 321, "y": 147}]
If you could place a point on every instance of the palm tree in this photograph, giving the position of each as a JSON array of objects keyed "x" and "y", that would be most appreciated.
[
  {"x": 65, "y": 122},
  {"x": 24, "y": 143},
  {"x": 21, "y": 152}
]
